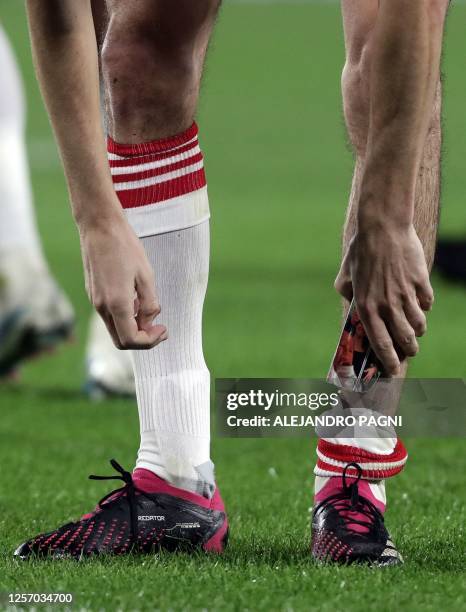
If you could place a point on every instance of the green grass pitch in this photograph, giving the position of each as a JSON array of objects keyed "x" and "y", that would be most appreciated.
[{"x": 279, "y": 176}]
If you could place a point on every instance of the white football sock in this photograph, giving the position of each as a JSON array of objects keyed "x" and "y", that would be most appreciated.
[
  {"x": 163, "y": 190},
  {"x": 172, "y": 380},
  {"x": 18, "y": 231}
]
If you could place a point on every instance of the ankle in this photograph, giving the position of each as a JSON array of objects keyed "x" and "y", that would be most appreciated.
[{"x": 374, "y": 490}]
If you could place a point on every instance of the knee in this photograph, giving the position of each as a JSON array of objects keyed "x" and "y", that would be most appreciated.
[
  {"x": 139, "y": 72},
  {"x": 355, "y": 90},
  {"x": 151, "y": 70}
]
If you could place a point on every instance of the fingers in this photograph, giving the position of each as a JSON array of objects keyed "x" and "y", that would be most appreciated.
[
  {"x": 394, "y": 327},
  {"x": 130, "y": 336},
  {"x": 402, "y": 333},
  {"x": 148, "y": 306},
  {"x": 122, "y": 325},
  {"x": 111, "y": 330},
  {"x": 425, "y": 295},
  {"x": 415, "y": 316},
  {"x": 379, "y": 339}
]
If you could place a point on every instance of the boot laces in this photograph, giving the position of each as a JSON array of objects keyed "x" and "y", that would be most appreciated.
[
  {"x": 352, "y": 508},
  {"x": 129, "y": 489}
]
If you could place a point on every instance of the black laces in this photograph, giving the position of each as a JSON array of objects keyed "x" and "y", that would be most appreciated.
[
  {"x": 349, "y": 502},
  {"x": 129, "y": 489}
]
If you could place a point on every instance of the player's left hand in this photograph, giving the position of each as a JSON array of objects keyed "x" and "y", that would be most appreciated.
[{"x": 385, "y": 270}]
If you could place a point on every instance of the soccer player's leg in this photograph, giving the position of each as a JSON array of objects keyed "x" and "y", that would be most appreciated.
[
  {"x": 152, "y": 60},
  {"x": 35, "y": 315},
  {"x": 351, "y": 473}
]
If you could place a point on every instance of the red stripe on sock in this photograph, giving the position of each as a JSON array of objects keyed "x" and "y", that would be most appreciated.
[
  {"x": 343, "y": 452},
  {"x": 351, "y": 454},
  {"x": 137, "y": 176},
  {"x": 133, "y": 198},
  {"x": 144, "y": 158},
  {"x": 377, "y": 474}
]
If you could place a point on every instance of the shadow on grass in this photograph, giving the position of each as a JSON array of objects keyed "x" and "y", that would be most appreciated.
[{"x": 246, "y": 553}]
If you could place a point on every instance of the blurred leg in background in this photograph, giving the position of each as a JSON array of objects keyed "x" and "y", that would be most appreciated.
[
  {"x": 109, "y": 372},
  {"x": 35, "y": 315}
]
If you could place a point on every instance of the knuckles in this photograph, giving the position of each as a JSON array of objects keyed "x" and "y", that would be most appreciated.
[
  {"x": 112, "y": 305},
  {"x": 420, "y": 327},
  {"x": 390, "y": 307},
  {"x": 366, "y": 308},
  {"x": 410, "y": 348},
  {"x": 383, "y": 345}
]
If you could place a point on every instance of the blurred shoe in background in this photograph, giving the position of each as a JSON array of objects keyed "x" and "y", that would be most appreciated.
[
  {"x": 109, "y": 370},
  {"x": 35, "y": 314}
]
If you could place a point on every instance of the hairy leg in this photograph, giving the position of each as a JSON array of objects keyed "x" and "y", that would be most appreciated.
[
  {"x": 152, "y": 60},
  {"x": 387, "y": 453},
  {"x": 358, "y": 26}
]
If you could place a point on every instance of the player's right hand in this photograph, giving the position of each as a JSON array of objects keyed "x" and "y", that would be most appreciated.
[{"x": 120, "y": 284}]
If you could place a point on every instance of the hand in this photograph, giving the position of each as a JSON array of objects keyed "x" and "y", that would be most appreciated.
[
  {"x": 120, "y": 284},
  {"x": 369, "y": 373},
  {"x": 385, "y": 270}
]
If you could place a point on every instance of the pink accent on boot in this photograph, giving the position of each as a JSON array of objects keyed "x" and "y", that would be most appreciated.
[
  {"x": 335, "y": 485},
  {"x": 218, "y": 541},
  {"x": 149, "y": 482}
]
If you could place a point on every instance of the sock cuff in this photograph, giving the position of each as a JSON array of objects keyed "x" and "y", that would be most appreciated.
[
  {"x": 161, "y": 184},
  {"x": 332, "y": 459},
  {"x": 162, "y": 145}
]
